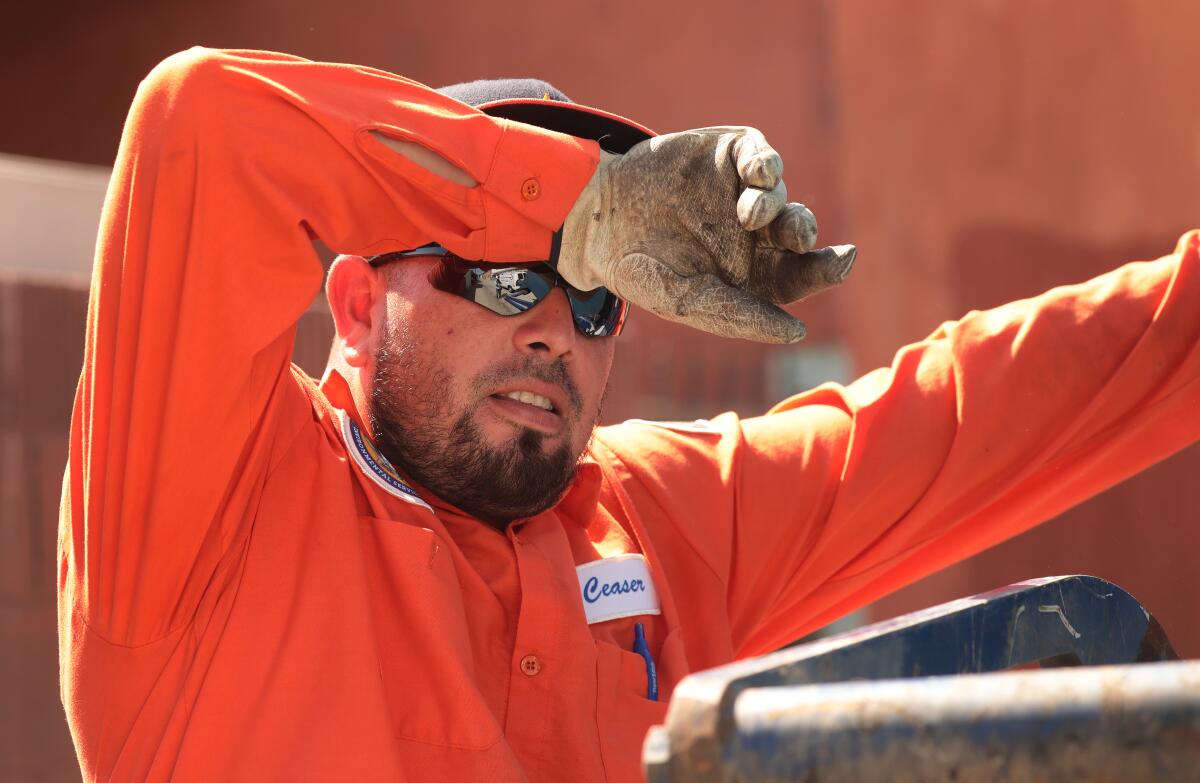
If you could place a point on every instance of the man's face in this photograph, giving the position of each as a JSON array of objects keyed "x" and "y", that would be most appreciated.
[{"x": 460, "y": 394}]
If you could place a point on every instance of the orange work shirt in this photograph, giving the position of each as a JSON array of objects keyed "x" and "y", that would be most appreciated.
[{"x": 247, "y": 591}]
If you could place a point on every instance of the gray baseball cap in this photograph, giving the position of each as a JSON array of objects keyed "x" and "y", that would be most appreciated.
[{"x": 537, "y": 102}]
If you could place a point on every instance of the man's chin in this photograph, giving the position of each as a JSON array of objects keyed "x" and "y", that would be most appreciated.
[
  {"x": 491, "y": 469},
  {"x": 514, "y": 486}
]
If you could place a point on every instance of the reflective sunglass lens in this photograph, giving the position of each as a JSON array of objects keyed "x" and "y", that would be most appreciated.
[
  {"x": 510, "y": 290},
  {"x": 513, "y": 290},
  {"x": 597, "y": 313}
]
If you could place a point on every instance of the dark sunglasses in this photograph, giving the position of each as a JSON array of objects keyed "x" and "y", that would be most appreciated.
[{"x": 511, "y": 289}]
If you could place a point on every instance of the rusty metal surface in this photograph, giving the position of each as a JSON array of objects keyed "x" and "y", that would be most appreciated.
[
  {"x": 1112, "y": 723},
  {"x": 1056, "y": 621}
]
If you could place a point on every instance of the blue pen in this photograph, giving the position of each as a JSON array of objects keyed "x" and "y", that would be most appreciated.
[{"x": 641, "y": 648}]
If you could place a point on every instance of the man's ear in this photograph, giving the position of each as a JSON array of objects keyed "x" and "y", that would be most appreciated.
[{"x": 353, "y": 290}]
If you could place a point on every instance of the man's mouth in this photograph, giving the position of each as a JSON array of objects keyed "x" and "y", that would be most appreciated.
[
  {"x": 542, "y": 410},
  {"x": 530, "y": 398}
]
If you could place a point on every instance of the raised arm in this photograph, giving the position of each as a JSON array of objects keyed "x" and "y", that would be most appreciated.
[{"x": 230, "y": 164}]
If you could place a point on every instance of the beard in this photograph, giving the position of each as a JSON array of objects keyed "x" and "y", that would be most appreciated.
[{"x": 418, "y": 425}]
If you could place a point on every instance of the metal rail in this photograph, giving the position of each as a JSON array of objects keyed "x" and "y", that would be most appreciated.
[
  {"x": 735, "y": 723},
  {"x": 1104, "y": 723}
]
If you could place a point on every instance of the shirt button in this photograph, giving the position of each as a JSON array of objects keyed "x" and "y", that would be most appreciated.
[
  {"x": 531, "y": 665},
  {"x": 530, "y": 189}
]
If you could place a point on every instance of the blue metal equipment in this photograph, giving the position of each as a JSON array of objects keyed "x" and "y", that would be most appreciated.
[{"x": 944, "y": 708}]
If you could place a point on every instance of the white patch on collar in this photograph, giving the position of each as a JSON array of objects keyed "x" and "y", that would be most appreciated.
[
  {"x": 618, "y": 586},
  {"x": 374, "y": 464}
]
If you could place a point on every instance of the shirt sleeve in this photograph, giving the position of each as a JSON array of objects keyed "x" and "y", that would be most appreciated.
[
  {"x": 231, "y": 162},
  {"x": 994, "y": 423}
]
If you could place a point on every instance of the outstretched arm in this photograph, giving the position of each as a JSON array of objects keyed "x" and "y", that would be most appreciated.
[{"x": 993, "y": 424}]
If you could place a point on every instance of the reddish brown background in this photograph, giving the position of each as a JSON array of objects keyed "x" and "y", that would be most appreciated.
[{"x": 975, "y": 151}]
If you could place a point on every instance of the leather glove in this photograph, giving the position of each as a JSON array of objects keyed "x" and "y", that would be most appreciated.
[{"x": 695, "y": 227}]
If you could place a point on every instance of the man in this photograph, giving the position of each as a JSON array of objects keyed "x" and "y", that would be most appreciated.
[{"x": 409, "y": 571}]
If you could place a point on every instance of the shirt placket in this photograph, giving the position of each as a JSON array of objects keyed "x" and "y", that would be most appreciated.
[{"x": 553, "y": 663}]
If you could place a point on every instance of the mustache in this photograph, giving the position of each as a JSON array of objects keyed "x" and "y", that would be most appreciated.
[{"x": 554, "y": 372}]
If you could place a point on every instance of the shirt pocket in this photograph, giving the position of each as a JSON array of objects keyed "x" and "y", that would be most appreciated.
[
  {"x": 422, "y": 640},
  {"x": 623, "y": 713}
]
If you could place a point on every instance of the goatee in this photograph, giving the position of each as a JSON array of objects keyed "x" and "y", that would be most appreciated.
[{"x": 414, "y": 423}]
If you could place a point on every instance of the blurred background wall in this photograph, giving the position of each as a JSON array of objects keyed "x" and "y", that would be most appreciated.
[{"x": 976, "y": 151}]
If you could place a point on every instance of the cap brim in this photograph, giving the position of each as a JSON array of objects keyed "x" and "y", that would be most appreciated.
[{"x": 614, "y": 132}]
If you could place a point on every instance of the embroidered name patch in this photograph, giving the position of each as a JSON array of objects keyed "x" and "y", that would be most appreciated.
[
  {"x": 618, "y": 586},
  {"x": 375, "y": 465}
]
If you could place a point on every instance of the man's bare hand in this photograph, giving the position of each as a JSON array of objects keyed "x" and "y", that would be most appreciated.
[{"x": 696, "y": 227}]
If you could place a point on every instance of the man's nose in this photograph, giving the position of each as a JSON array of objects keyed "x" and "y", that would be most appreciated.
[{"x": 548, "y": 327}]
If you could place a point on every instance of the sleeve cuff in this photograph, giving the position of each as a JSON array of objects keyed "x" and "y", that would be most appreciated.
[{"x": 535, "y": 178}]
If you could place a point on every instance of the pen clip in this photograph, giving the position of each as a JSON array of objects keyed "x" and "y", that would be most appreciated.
[{"x": 643, "y": 649}]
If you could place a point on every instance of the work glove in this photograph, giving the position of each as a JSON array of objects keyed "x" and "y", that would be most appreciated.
[{"x": 695, "y": 227}]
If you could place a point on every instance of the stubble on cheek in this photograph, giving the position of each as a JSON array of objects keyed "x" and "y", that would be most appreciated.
[{"x": 431, "y": 430}]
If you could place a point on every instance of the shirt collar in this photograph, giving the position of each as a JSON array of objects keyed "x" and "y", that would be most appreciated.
[
  {"x": 579, "y": 504},
  {"x": 337, "y": 391}
]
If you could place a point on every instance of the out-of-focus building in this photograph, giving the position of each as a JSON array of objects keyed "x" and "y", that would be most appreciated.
[{"x": 975, "y": 151}]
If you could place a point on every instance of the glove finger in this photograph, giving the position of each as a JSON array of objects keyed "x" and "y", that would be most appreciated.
[
  {"x": 757, "y": 208},
  {"x": 757, "y": 162},
  {"x": 794, "y": 229},
  {"x": 702, "y": 301},
  {"x": 781, "y": 276}
]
